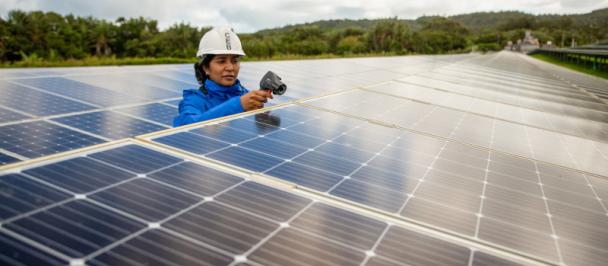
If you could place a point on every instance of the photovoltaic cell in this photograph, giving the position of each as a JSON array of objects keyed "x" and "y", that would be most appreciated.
[
  {"x": 195, "y": 178},
  {"x": 183, "y": 75},
  {"x": 109, "y": 124},
  {"x": 136, "y": 158},
  {"x": 17, "y": 252},
  {"x": 128, "y": 84},
  {"x": 80, "y": 175},
  {"x": 223, "y": 133},
  {"x": 374, "y": 196},
  {"x": 268, "y": 145},
  {"x": 341, "y": 225},
  {"x": 156, "y": 112},
  {"x": 466, "y": 127},
  {"x": 264, "y": 201},
  {"x": 291, "y": 247},
  {"x": 480, "y": 258},
  {"x": 246, "y": 158},
  {"x": 439, "y": 183},
  {"x": 146, "y": 199},
  {"x": 307, "y": 176},
  {"x": 82, "y": 91},
  {"x": 247, "y": 126},
  {"x": 8, "y": 115},
  {"x": 192, "y": 142},
  {"x": 445, "y": 179},
  {"x": 157, "y": 247},
  {"x": 76, "y": 229},
  {"x": 395, "y": 245},
  {"x": 21, "y": 195},
  {"x": 232, "y": 230},
  {"x": 37, "y": 103},
  {"x": 40, "y": 138},
  {"x": 235, "y": 218}
]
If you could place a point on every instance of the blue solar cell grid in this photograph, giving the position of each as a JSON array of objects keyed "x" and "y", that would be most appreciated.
[
  {"x": 8, "y": 115},
  {"x": 427, "y": 179},
  {"x": 37, "y": 103},
  {"x": 136, "y": 86},
  {"x": 186, "y": 213},
  {"x": 156, "y": 112},
  {"x": 39, "y": 138},
  {"x": 109, "y": 124},
  {"x": 82, "y": 91},
  {"x": 432, "y": 148}
]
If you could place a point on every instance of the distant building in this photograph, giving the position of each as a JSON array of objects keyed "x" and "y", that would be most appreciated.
[
  {"x": 548, "y": 45},
  {"x": 526, "y": 45}
]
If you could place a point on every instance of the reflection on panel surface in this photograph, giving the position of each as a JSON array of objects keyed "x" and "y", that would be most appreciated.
[
  {"x": 187, "y": 213},
  {"x": 35, "y": 139},
  {"x": 475, "y": 192},
  {"x": 518, "y": 139},
  {"x": 419, "y": 160}
]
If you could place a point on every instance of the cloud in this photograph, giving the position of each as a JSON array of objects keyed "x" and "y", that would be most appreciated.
[
  {"x": 581, "y": 3},
  {"x": 250, "y": 16}
]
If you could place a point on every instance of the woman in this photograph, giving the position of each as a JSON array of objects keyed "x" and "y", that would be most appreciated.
[{"x": 220, "y": 93}]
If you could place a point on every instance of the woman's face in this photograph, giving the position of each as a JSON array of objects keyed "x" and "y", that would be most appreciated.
[{"x": 224, "y": 69}]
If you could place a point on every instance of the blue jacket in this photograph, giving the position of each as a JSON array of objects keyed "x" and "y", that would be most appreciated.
[{"x": 219, "y": 101}]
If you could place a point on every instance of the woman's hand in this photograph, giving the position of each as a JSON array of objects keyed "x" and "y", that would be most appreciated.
[{"x": 255, "y": 99}]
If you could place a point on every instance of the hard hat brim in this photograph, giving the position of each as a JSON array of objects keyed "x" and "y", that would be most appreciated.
[{"x": 221, "y": 52}]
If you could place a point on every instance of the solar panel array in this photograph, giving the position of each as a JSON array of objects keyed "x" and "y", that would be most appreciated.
[{"x": 492, "y": 159}]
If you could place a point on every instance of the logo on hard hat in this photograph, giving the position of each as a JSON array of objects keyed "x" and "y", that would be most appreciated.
[{"x": 228, "y": 46}]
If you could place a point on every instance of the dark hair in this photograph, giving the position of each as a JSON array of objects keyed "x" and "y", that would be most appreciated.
[{"x": 199, "y": 72}]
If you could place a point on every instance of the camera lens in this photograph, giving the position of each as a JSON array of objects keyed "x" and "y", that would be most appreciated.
[{"x": 280, "y": 90}]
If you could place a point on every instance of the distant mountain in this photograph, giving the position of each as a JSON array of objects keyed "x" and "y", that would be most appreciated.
[
  {"x": 489, "y": 20},
  {"x": 474, "y": 21},
  {"x": 337, "y": 24}
]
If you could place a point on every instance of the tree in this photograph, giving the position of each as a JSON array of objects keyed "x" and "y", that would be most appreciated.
[
  {"x": 522, "y": 21},
  {"x": 308, "y": 40},
  {"x": 37, "y": 35},
  {"x": 389, "y": 35},
  {"x": 440, "y": 35},
  {"x": 351, "y": 45}
]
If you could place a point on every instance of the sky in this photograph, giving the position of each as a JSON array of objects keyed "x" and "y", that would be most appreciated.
[{"x": 247, "y": 16}]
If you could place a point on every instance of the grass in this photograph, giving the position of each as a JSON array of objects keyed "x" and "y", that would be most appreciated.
[{"x": 573, "y": 66}]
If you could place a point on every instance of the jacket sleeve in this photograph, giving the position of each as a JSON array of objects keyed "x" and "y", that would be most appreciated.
[{"x": 194, "y": 109}]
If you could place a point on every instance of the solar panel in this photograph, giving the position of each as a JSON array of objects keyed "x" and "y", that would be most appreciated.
[
  {"x": 156, "y": 112},
  {"x": 431, "y": 160},
  {"x": 24, "y": 195},
  {"x": 80, "y": 175},
  {"x": 446, "y": 184},
  {"x": 82, "y": 91},
  {"x": 135, "y": 86},
  {"x": 36, "y": 102},
  {"x": 8, "y": 115},
  {"x": 15, "y": 251},
  {"x": 40, "y": 138},
  {"x": 569, "y": 125},
  {"x": 167, "y": 210},
  {"x": 109, "y": 124},
  {"x": 469, "y": 128},
  {"x": 183, "y": 76}
]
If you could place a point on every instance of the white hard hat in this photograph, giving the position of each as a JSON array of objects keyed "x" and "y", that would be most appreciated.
[{"x": 220, "y": 40}]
